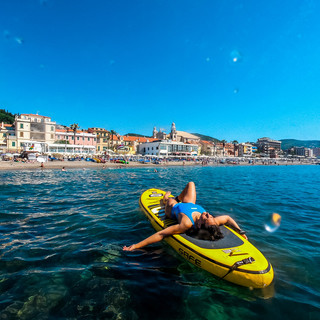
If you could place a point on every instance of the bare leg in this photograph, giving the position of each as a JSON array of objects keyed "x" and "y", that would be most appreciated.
[
  {"x": 188, "y": 194},
  {"x": 166, "y": 197},
  {"x": 168, "y": 207}
]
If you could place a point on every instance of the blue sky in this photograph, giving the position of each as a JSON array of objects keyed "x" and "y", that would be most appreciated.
[{"x": 230, "y": 69}]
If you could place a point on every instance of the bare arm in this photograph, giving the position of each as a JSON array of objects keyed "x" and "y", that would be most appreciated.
[
  {"x": 229, "y": 221},
  {"x": 157, "y": 237}
]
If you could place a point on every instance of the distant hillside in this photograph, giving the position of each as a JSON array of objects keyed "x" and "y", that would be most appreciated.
[
  {"x": 206, "y": 138},
  {"x": 135, "y": 135},
  {"x": 289, "y": 143},
  {"x": 6, "y": 116}
]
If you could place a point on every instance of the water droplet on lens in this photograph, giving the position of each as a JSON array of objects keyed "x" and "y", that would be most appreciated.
[
  {"x": 236, "y": 56},
  {"x": 236, "y": 90},
  {"x": 273, "y": 222},
  {"x": 19, "y": 40}
]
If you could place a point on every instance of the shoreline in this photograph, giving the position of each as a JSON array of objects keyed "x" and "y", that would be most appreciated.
[{"x": 58, "y": 165}]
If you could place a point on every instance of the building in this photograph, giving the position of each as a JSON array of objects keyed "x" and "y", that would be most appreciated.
[
  {"x": 35, "y": 128},
  {"x": 269, "y": 147},
  {"x": 130, "y": 144},
  {"x": 104, "y": 139},
  {"x": 224, "y": 149},
  {"x": 303, "y": 152},
  {"x": 80, "y": 137},
  {"x": 245, "y": 149},
  {"x": 6, "y": 143},
  {"x": 26, "y": 128},
  {"x": 207, "y": 148},
  {"x": 35, "y": 147},
  {"x": 160, "y": 135},
  {"x": 174, "y": 135},
  {"x": 68, "y": 142},
  {"x": 186, "y": 137},
  {"x": 168, "y": 148},
  {"x": 308, "y": 153},
  {"x": 316, "y": 152}
]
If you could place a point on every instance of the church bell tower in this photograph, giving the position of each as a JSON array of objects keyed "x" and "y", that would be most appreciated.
[{"x": 173, "y": 132}]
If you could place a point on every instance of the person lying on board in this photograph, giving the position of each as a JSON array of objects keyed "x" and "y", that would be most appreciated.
[{"x": 189, "y": 215}]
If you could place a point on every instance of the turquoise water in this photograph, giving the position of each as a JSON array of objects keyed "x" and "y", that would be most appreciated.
[{"x": 62, "y": 233}]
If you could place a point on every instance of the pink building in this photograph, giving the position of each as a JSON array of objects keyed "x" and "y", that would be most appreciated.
[{"x": 81, "y": 138}]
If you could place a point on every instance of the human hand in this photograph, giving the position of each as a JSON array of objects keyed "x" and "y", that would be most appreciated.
[
  {"x": 130, "y": 248},
  {"x": 245, "y": 236}
]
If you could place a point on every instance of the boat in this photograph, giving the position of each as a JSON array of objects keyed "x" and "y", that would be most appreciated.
[{"x": 231, "y": 258}]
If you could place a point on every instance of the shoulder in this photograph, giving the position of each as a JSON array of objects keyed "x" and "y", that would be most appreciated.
[{"x": 185, "y": 222}]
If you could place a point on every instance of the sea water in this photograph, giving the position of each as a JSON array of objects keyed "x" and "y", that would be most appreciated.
[{"x": 62, "y": 233}]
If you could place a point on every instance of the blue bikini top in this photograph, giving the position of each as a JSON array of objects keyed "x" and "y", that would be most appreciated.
[{"x": 187, "y": 208}]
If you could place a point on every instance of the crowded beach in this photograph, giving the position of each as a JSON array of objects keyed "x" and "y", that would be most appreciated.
[{"x": 41, "y": 163}]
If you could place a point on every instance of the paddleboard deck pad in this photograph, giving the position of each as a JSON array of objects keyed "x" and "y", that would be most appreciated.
[{"x": 232, "y": 258}]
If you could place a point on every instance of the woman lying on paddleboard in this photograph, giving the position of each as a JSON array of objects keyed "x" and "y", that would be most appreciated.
[{"x": 189, "y": 215}]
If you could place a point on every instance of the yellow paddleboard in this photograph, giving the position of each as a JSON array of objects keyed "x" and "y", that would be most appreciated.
[{"x": 232, "y": 258}]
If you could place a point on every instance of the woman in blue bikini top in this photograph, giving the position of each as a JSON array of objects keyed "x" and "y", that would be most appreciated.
[
  {"x": 187, "y": 208},
  {"x": 189, "y": 215}
]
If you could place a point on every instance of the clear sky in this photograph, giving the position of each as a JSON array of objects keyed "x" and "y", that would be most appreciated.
[{"x": 231, "y": 69}]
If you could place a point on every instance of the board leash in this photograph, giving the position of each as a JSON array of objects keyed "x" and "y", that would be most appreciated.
[{"x": 238, "y": 264}]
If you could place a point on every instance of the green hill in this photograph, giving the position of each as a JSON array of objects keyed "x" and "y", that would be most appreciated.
[
  {"x": 135, "y": 135},
  {"x": 289, "y": 143},
  {"x": 6, "y": 116},
  {"x": 206, "y": 138}
]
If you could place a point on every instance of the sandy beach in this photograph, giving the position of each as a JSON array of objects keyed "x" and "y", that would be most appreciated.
[
  {"x": 11, "y": 165},
  {"x": 58, "y": 165}
]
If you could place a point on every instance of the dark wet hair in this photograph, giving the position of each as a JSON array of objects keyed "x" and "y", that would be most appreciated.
[
  {"x": 211, "y": 233},
  {"x": 215, "y": 232}
]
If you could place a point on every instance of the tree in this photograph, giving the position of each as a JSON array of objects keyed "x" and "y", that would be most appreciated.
[
  {"x": 223, "y": 144},
  {"x": 74, "y": 128},
  {"x": 112, "y": 133},
  {"x": 6, "y": 116}
]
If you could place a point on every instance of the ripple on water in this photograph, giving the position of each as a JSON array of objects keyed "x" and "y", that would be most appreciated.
[{"x": 62, "y": 236}]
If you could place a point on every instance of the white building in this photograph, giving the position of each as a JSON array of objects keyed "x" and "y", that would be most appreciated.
[
  {"x": 168, "y": 148},
  {"x": 29, "y": 127},
  {"x": 63, "y": 149},
  {"x": 34, "y": 127},
  {"x": 71, "y": 149}
]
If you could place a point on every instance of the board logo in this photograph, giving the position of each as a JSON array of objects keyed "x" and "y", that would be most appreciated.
[
  {"x": 190, "y": 257},
  {"x": 155, "y": 194}
]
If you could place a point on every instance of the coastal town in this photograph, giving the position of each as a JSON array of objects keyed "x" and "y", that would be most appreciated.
[{"x": 32, "y": 136}]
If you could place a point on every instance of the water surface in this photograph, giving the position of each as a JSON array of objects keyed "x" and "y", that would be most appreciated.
[{"x": 62, "y": 235}]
